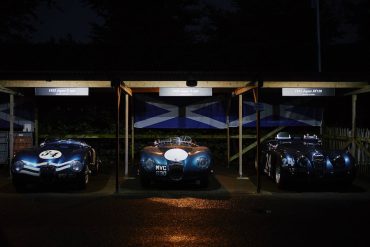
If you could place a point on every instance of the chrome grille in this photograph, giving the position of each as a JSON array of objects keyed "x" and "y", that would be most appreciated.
[
  {"x": 318, "y": 161},
  {"x": 176, "y": 170}
]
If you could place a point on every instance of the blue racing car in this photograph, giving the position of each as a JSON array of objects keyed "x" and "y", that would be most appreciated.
[
  {"x": 55, "y": 160},
  {"x": 175, "y": 159},
  {"x": 286, "y": 159}
]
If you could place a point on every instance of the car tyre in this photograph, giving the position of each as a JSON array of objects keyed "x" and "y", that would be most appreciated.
[
  {"x": 204, "y": 182},
  {"x": 19, "y": 184},
  {"x": 145, "y": 181},
  {"x": 83, "y": 180},
  {"x": 279, "y": 177}
]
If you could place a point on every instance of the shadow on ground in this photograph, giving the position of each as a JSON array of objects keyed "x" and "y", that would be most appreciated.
[
  {"x": 133, "y": 188},
  {"x": 360, "y": 185},
  {"x": 96, "y": 183}
]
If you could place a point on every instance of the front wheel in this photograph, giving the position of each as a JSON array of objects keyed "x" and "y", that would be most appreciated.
[
  {"x": 204, "y": 182},
  {"x": 19, "y": 184},
  {"x": 83, "y": 181},
  {"x": 144, "y": 181},
  {"x": 278, "y": 176}
]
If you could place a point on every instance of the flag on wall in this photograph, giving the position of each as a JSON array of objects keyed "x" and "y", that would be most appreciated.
[
  {"x": 189, "y": 113},
  {"x": 210, "y": 113}
]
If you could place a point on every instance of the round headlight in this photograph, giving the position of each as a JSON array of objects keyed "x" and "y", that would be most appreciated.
[
  {"x": 339, "y": 161},
  {"x": 76, "y": 166},
  {"x": 149, "y": 164},
  {"x": 304, "y": 162},
  {"x": 203, "y": 162},
  {"x": 18, "y": 166}
]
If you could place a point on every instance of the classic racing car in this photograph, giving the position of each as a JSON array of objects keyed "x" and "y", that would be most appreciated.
[
  {"x": 175, "y": 159},
  {"x": 55, "y": 160},
  {"x": 288, "y": 158}
]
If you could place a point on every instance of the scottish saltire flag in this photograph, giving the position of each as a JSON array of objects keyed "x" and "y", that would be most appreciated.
[
  {"x": 190, "y": 112},
  {"x": 22, "y": 114},
  {"x": 277, "y": 115},
  {"x": 181, "y": 113}
]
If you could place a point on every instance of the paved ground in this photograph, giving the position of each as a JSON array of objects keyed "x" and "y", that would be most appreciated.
[{"x": 227, "y": 213}]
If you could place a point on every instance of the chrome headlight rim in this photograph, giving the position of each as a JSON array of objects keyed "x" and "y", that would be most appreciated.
[
  {"x": 149, "y": 163},
  {"x": 303, "y": 162},
  {"x": 203, "y": 162},
  {"x": 18, "y": 166},
  {"x": 76, "y": 166}
]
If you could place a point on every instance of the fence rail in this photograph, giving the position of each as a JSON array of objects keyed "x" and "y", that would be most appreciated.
[{"x": 340, "y": 138}]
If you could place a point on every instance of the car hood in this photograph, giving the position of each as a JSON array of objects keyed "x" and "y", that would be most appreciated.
[
  {"x": 163, "y": 149},
  {"x": 301, "y": 149},
  {"x": 55, "y": 154}
]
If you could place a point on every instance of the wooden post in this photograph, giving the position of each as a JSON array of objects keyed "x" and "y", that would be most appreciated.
[
  {"x": 118, "y": 101},
  {"x": 353, "y": 149},
  {"x": 126, "y": 133},
  {"x": 228, "y": 139},
  {"x": 258, "y": 139},
  {"x": 11, "y": 130},
  {"x": 132, "y": 140},
  {"x": 228, "y": 131},
  {"x": 240, "y": 135},
  {"x": 36, "y": 126}
]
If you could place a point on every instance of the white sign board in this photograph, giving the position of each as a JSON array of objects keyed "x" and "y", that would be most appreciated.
[
  {"x": 308, "y": 92},
  {"x": 55, "y": 91},
  {"x": 186, "y": 91}
]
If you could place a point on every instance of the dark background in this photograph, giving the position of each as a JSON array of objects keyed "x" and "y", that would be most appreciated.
[{"x": 184, "y": 35}]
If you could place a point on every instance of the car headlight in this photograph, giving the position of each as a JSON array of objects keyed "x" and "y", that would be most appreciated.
[
  {"x": 18, "y": 166},
  {"x": 203, "y": 162},
  {"x": 76, "y": 166},
  {"x": 149, "y": 164},
  {"x": 304, "y": 162},
  {"x": 339, "y": 161}
]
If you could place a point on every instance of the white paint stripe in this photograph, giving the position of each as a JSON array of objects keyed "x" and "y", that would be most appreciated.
[
  {"x": 32, "y": 168},
  {"x": 62, "y": 168},
  {"x": 46, "y": 163}
]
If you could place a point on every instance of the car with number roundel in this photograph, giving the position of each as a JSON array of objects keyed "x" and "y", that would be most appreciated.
[
  {"x": 287, "y": 159},
  {"x": 175, "y": 159},
  {"x": 55, "y": 161}
]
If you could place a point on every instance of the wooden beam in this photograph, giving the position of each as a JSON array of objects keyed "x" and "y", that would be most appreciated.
[
  {"x": 313, "y": 84},
  {"x": 254, "y": 144},
  {"x": 365, "y": 89},
  {"x": 7, "y": 90},
  {"x": 126, "y": 89},
  {"x": 39, "y": 83},
  {"x": 182, "y": 84},
  {"x": 243, "y": 90},
  {"x": 145, "y": 90}
]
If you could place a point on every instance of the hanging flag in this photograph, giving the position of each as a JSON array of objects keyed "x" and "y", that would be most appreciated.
[{"x": 152, "y": 112}]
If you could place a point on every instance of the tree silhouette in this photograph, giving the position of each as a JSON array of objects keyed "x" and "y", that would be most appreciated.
[{"x": 17, "y": 18}]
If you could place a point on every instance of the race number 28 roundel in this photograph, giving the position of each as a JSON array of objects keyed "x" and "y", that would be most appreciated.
[{"x": 50, "y": 154}]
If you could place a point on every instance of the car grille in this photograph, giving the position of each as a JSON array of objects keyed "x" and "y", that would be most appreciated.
[
  {"x": 176, "y": 171},
  {"x": 318, "y": 161},
  {"x": 47, "y": 171}
]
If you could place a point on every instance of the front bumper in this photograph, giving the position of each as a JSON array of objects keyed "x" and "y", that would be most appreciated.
[
  {"x": 48, "y": 174},
  {"x": 321, "y": 175}
]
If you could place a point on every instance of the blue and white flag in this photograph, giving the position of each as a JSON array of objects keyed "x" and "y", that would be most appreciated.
[
  {"x": 179, "y": 113},
  {"x": 21, "y": 113},
  {"x": 191, "y": 113},
  {"x": 278, "y": 115}
]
